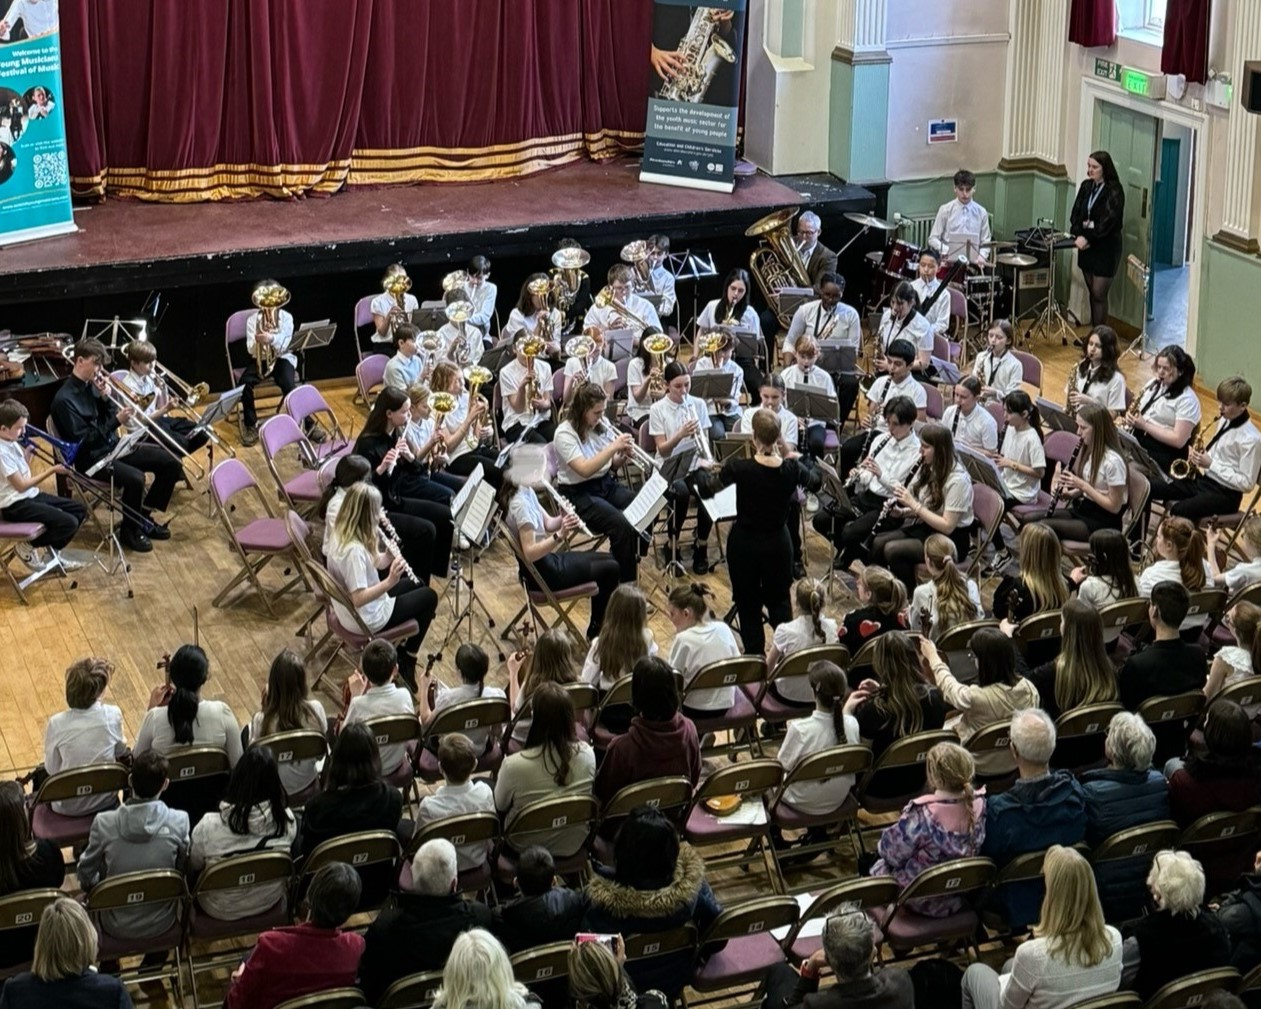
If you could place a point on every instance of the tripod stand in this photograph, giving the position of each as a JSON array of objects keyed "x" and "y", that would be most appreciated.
[{"x": 1051, "y": 320}]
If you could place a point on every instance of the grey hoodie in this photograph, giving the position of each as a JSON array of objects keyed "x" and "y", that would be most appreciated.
[{"x": 139, "y": 835}]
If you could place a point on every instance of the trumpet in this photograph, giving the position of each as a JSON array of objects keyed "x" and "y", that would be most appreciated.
[
  {"x": 565, "y": 508},
  {"x": 645, "y": 462},
  {"x": 476, "y": 376},
  {"x": 703, "y": 448},
  {"x": 605, "y": 299},
  {"x": 269, "y": 298},
  {"x": 658, "y": 345},
  {"x": 394, "y": 546}
]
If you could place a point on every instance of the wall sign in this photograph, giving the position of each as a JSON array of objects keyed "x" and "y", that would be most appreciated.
[{"x": 943, "y": 131}]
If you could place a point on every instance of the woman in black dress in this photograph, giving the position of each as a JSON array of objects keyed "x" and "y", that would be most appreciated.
[
  {"x": 1096, "y": 224},
  {"x": 759, "y": 550}
]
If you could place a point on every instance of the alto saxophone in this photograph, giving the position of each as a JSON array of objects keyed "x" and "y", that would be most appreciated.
[{"x": 702, "y": 52}]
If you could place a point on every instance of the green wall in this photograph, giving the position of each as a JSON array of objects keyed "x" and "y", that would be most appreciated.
[
  {"x": 1015, "y": 199},
  {"x": 859, "y": 116},
  {"x": 1230, "y": 304}
]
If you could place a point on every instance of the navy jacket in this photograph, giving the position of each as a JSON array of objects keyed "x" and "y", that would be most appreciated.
[
  {"x": 1116, "y": 800},
  {"x": 89, "y": 990}
]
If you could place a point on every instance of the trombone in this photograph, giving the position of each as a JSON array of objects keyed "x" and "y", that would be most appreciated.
[
  {"x": 187, "y": 400},
  {"x": 123, "y": 398},
  {"x": 605, "y": 299}
]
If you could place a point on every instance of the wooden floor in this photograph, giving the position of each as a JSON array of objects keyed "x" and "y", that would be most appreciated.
[{"x": 61, "y": 624}]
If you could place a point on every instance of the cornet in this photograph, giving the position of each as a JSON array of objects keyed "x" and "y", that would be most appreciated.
[
  {"x": 639, "y": 457},
  {"x": 476, "y": 376},
  {"x": 658, "y": 345}
]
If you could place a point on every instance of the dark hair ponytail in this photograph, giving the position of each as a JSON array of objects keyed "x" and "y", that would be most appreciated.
[
  {"x": 189, "y": 669},
  {"x": 1018, "y": 401}
]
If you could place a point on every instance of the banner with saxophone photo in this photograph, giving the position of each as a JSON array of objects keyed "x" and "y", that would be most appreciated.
[
  {"x": 34, "y": 174},
  {"x": 694, "y": 97}
]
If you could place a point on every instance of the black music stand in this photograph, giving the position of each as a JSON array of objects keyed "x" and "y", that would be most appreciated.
[
  {"x": 495, "y": 358},
  {"x": 691, "y": 266},
  {"x": 712, "y": 386},
  {"x": 619, "y": 344},
  {"x": 813, "y": 404},
  {"x": 310, "y": 336},
  {"x": 430, "y": 317},
  {"x": 747, "y": 343},
  {"x": 1056, "y": 417},
  {"x": 736, "y": 445}
]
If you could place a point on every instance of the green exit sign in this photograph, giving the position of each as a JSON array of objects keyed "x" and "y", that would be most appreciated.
[
  {"x": 1107, "y": 69},
  {"x": 1143, "y": 84}
]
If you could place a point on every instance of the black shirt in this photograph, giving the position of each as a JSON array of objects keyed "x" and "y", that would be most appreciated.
[
  {"x": 407, "y": 474},
  {"x": 84, "y": 415},
  {"x": 44, "y": 868},
  {"x": 763, "y": 493},
  {"x": 1162, "y": 669},
  {"x": 879, "y": 726}
]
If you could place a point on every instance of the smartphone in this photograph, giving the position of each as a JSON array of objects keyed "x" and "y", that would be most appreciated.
[{"x": 609, "y": 940}]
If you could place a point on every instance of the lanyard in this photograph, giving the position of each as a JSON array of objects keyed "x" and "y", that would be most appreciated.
[{"x": 1090, "y": 203}]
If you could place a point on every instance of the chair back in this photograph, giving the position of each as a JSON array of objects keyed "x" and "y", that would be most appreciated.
[
  {"x": 899, "y": 775},
  {"x": 995, "y": 408},
  {"x": 278, "y": 433},
  {"x": 832, "y": 762},
  {"x": 196, "y": 763},
  {"x": 363, "y": 311},
  {"x": 82, "y": 782},
  {"x": 1141, "y": 842},
  {"x": 1124, "y": 614},
  {"x": 1245, "y": 692},
  {"x": 863, "y": 660},
  {"x": 370, "y": 375},
  {"x": 994, "y": 741},
  {"x": 955, "y": 878},
  {"x": 462, "y": 829},
  {"x": 862, "y": 893},
  {"x": 416, "y": 991},
  {"x": 19, "y": 921},
  {"x": 1041, "y": 627},
  {"x": 393, "y": 729},
  {"x": 1137, "y": 490},
  {"x": 1058, "y": 448},
  {"x": 728, "y": 673},
  {"x": 1117, "y": 1000},
  {"x": 542, "y": 964},
  {"x": 988, "y": 507},
  {"x": 1190, "y": 991},
  {"x": 234, "y": 332},
  {"x": 545, "y": 815},
  {"x": 1080, "y": 734},
  {"x": 935, "y": 407},
  {"x": 1210, "y": 602},
  {"x": 230, "y": 478},
  {"x": 368, "y": 847},
  {"x": 751, "y": 917},
  {"x": 650, "y": 945},
  {"x": 799, "y": 662},
  {"x": 479, "y": 713},
  {"x": 1251, "y": 983},
  {"x": 294, "y": 746},
  {"x": 1218, "y": 835},
  {"x": 1178, "y": 708},
  {"x": 333, "y": 998},
  {"x": 747, "y": 779},
  {"x": 254, "y": 868},
  {"x": 1031, "y": 368},
  {"x": 956, "y": 638},
  {"x": 669, "y": 794},
  {"x": 617, "y": 695},
  {"x": 332, "y": 591},
  {"x": 132, "y": 890}
]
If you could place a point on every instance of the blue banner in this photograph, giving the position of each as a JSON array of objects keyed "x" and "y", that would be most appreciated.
[
  {"x": 34, "y": 171},
  {"x": 694, "y": 102}
]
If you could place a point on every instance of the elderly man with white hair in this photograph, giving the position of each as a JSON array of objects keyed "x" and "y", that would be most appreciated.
[
  {"x": 419, "y": 931},
  {"x": 848, "y": 948},
  {"x": 1044, "y": 807}
]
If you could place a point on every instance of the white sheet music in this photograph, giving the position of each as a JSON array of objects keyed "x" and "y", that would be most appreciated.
[
  {"x": 477, "y": 514},
  {"x": 722, "y": 505},
  {"x": 648, "y": 502},
  {"x": 812, "y": 928},
  {"x": 464, "y": 492}
]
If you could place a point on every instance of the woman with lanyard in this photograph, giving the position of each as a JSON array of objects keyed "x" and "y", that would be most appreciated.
[
  {"x": 937, "y": 500},
  {"x": 998, "y": 369},
  {"x": 1095, "y": 223},
  {"x": 587, "y": 452},
  {"x": 1095, "y": 486},
  {"x": 734, "y": 310},
  {"x": 759, "y": 553},
  {"x": 1166, "y": 413},
  {"x": 1098, "y": 379},
  {"x": 902, "y": 321}
]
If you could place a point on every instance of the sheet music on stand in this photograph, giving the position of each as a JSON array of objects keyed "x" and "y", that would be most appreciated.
[
  {"x": 219, "y": 409},
  {"x": 834, "y": 487},
  {"x": 495, "y": 358},
  {"x": 694, "y": 264},
  {"x": 1136, "y": 455},
  {"x": 648, "y": 503},
  {"x": 431, "y": 315},
  {"x": 745, "y": 341},
  {"x": 837, "y": 358},
  {"x": 125, "y": 444},
  {"x": 813, "y": 403},
  {"x": 792, "y": 298},
  {"x": 1055, "y": 416},
  {"x": 311, "y": 335},
  {"x": 722, "y": 505},
  {"x": 464, "y": 493},
  {"x": 712, "y": 385},
  {"x": 981, "y": 468}
]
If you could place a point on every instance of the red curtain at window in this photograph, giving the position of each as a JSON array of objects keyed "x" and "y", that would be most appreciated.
[
  {"x": 1092, "y": 23},
  {"x": 1185, "y": 49},
  {"x": 185, "y": 100}
]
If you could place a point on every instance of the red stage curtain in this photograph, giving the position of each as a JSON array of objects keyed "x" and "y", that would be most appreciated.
[
  {"x": 186, "y": 100},
  {"x": 1185, "y": 49},
  {"x": 1092, "y": 23}
]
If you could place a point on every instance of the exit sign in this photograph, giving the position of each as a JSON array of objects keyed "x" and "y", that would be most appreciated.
[
  {"x": 1143, "y": 84},
  {"x": 1107, "y": 69}
]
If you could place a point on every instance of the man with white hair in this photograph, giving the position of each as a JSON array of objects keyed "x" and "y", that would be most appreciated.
[
  {"x": 419, "y": 931},
  {"x": 1044, "y": 807},
  {"x": 848, "y": 947}
]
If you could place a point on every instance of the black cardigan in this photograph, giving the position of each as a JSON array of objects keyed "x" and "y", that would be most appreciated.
[{"x": 1103, "y": 255}]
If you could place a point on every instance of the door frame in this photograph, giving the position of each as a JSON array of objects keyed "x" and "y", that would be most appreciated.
[{"x": 1096, "y": 90}]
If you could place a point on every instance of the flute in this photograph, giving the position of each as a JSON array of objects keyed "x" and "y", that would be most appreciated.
[
  {"x": 393, "y": 546},
  {"x": 563, "y": 504}
]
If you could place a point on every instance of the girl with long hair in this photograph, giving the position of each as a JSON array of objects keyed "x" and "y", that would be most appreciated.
[
  {"x": 997, "y": 368},
  {"x": 178, "y": 716},
  {"x": 356, "y": 559},
  {"x": 532, "y": 311},
  {"x": 1096, "y": 487},
  {"x": 734, "y": 306},
  {"x": 1097, "y": 380},
  {"x": 699, "y": 640},
  {"x": 1108, "y": 576},
  {"x": 598, "y": 979},
  {"x": 26, "y": 862},
  {"x": 807, "y": 629},
  {"x": 624, "y": 639},
  {"x": 1095, "y": 224},
  {"x": 902, "y": 320},
  {"x": 1039, "y": 585},
  {"x": 899, "y": 703},
  {"x": 1021, "y": 458},
  {"x": 553, "y": 762},
  {"x": 949, "y": 597},
  {"x": 641, "y": 393},
  {"x": 1081, "y": 673},
  {"x": 551, "y": 660},
  {"x": 467, "y": 428},
  {"x": 287, "y": 707},
  {"x": 938, "y": 501},
  {"x": 1165, "y": 414},
  {"x": 882, "y": 608},
  {"x": 1242, "y": 659},
  {"x": 1183, "y": 558}
]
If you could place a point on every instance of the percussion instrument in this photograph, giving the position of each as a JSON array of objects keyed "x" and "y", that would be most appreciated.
[
  {"x": 870, "y": 221},
  {"x": 900, "y": 259}
]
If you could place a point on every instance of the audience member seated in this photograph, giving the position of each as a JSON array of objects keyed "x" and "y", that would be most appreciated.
[
  {"x": 418, "y": 932},
  {"x": 1081, "y": 673},
  {"x": 998, "y": 690},
  {"x": 1044, "y": 807},
  {"x": 624, "y": 639},
  {"x": 459, "y": 794},
  {"x": 88, "y": 732},
  {"x": 848, "y": 950},
  {"x": 478, "y": 975},
  {"x": 314, "y": 955},
  {"x": 598, "y": 979},
  {"x": 660, "y": 741},
  {"x": 1240, "y": 914},
  {"x": 899, "y": 703},
  {"x": 1182, "y": 559},
  {"x": 1180, "y": 937},
  {"x": 1075, "y": 955},
  {"x": 1168, "y": 665},
  {"x": 473, "y": 664},
  {"x": 552, "y": 660},
  {"x": 544, "y": 912},
  {"x": 141, "y": 834},
  {"x": 26, "y": 863},
  {"x": 881, "y": 609},
  {"x": 700, "y": 639},
  {"x": 553, "y": 762},
  {"x": 375, "y": 693},
  {"x": 1233, "y": 663},
  {"x": 657, "y": 884},
  {"x": 948, "y": 823},
  {"x": 253, "y": 817},
  {"x": 809, "y": 629},
  {"x": 62, "y": 973},
  {"x": 287, "y": 707}
]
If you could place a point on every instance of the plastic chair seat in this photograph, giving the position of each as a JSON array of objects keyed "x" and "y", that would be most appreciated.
[
  {"x": 305, "y": 486},
  {"x": 751, "y": 955},
  {"x": 265, "y": 536},
  {"x": 710, "y": 829},
  {"x": 740, "y": 713},
  {"x": 790, "y": 818},
  {"x": 773, "y": 709},
  {"x": 576, "y": 592},
  {"x": 20, "y": 530},
  {"x": 908, "y": 929},
  {"x": 62, "y": 830},
  {"x": 209, "y": 929},
  {"x": 1075, "y": 547},
  {"x": 1034, "y": 509},
  {"x": 830, "y": 441},
  {"x": 114, "y": 948}
]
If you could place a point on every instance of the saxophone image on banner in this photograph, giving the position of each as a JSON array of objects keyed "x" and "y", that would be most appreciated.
[{"x": 702, "y": 51}]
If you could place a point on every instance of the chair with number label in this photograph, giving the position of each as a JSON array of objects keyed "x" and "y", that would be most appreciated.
[
  {"x": 750, "y": 949},
  {"x": 301, "y": 750},
  {"x": 750, "y": 783},
  {"x": 489, "y": 713},
  {"x": 66, "y": 830},
  {"x": 416, "y": 991},
  {"x": 371, "y": 853},
  {"x": 1080, "y": 735},
  {"x": 19, "y": 921},
  {"x": 535, "y": 822},
  {"x": 464, "y": 831},
  {"x": 153, "y": 891},
  {"x": 199, "y": 776},
  {"x": 740, "y": 717}
]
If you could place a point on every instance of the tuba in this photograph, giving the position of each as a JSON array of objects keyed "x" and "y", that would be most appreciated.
[
  {"x": 396, "y": 283},
  {"x": 776, "y": 263},
  {"x": 268, "y": 297},
  {"x": 702, "y": 51},
  {"x": 636, "y": 254},
  {"x": 568, "y": 275}
]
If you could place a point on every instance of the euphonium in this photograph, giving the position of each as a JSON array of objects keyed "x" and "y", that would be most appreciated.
[
  {"x": 658, "y": 345},
  {"x": 455, "y": 280},
  {"x": 568, "y": 275},
  {"x": 268, "y": 297},
  {"x": 636, "y": 254},
  {"x": 702, "y": 52},
  {"x": 476, "y": 376},
  {"x": 778, "y": 263},
  {"x": 396, "y": 283},
  {"x": 458, "y": 313},
  {"x": 605, "y": 299},
  {"x": 709, "y": 344},
  {"x": 581, "y": 347}
]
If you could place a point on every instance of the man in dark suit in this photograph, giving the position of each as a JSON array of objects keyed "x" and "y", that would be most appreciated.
[
  {"x": 1168, "y": 665},
  {"x": 819, "y": 259}
]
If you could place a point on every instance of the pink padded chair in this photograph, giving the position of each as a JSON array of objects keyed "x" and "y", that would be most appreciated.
[
  {"x": 1031, "y": 367},
  {"x": 370, "y": 376},
  {"x": 302, "y": 492},
  {"x": 12, "y": 534},
  {"x": 363, "y": 317},
  {"x": 306, "y": 402},
  {"x": 995, "y": 407},
  {"x": 1058, "y": 447},
  {"x": 68, "y": 830},
  {"x": 234, "y": 332},
  {"x": 936, "y": 406}
]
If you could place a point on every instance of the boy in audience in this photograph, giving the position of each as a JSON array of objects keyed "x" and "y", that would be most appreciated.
[
  {"x": 313, "y": 955},
  {"x": 374, "y": 693},
  {"x": 458, "y": 794},
  {"x": 472, "y": 663},
  {"x": 544, "y": 912},
  {"x": 1168, "y": 665},
  {"x": 89, "y": 732}
]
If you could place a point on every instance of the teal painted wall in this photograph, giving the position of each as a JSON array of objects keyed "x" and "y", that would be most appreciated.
[
  {"x": 859, "y": 115},
  {"x": 1014, "y": 199},
  {"x": 1230, "y": 304},
  {"x": 840, "y": 115}
]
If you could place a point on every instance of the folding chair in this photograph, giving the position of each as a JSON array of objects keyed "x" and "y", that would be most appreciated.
[
  {"x": 905, "y": 929},
  {"x": 1250, "y": 986},
  {"x": 1041, "y": 629},
  {"x": 332, "y": 998},
  {"x": 953, "y": 645},
  {"x": 1122, "y": 616},
  {"x": 306, "y": 402},
  {"x": 645, "y": 950},
  {"x": 19, "y": 921},
  {"x": 370, "y": 377},
  {"x": 563, "y": 812},
  {"x": 936, "y": 405},
  {"x": 1031, "y": 369},
  {"x": 1117, "y": 1000},
  {"x": 618, "y": 695},
  {"x": 266, "y": 392},
  {"x": 301, "y": 492},
  {"x": 416, "y": 991},
  {"x": 740, "y": 718},
  {"x": 863, "y": 665},
  {"x": 1224, "y": 844},
  {"x": 371, "y": 853},
  {"x": 462, "y": 829},
  {"x": 1025, "y": 871},
  {"x": 670, "y": 795},
  {"x": 12, "y": 535},
  {"x": 1171, "y": 719},
  {"x": 238, "y": 872},
  {"x": 1234, "y": 522},
  {"x": 751, "y": 782},
  {"x": 134, "y": 891},
  {"x": 1080, "y": 735},
  {"x": 259, "y": 541},
  {"x": 199, "y": 776},
  {"x": 1189, "y": 991},
  {"x": 1216, "y": 633},
  {"x": 1138, "y": 491},
  {"x": 769, "y": 707},
  {"x": 362, "y": 317},
  {"x": 898, "y": 775},
  {"x": 862, "y": 893},
  {"x": 1134, "y": 847},
  {"x": 750, "y": 951},
  {"x": 398, "y": 730},
  {"x": 1246, "y": 692},
  {"x": 293, "y": 748},
  {"x": 492, "y": 713},
  {"x": 994, "y": 743},
  {"x": 585, "y": 698},
  {"x": 78, "y": 783},
  {"x": 540, "y": 596},
  {"x": 542, "y": 965}
]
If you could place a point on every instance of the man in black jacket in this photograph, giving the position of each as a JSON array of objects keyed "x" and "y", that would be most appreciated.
[
  {"x": 417, "y": 934},
  {"x": 1168, "y": 665},
  {"x": 544, "y": 912}
]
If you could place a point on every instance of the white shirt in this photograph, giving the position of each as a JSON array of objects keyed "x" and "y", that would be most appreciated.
[
  {"x": 1239, "y": 660},
  {"x": 483, "y": 298},
  {"x": 280, "y": 340},
  {"x": 37, "y": 111},
  {"x": 452, "y": 422},
  {"x": 666, "y": 417},
  {"x": 39, "y": 17},
  {"x": 1110, "y": 394},
  {"x": 1003, "y": 374},
  {"x": 1170, "y": 571},
  {"x": 295, "y": 775},
  {"x": 530, "y": 323},
  {"x": 511, "y": 378},
  {"x": 939, "y": 315},
  {"x": 527, "y": 512},
  {"x": 663, "y": 284},
  {"x": 383, "y": 304},
  {"x": 608, "y": 318},
  {"x": 1026, "y": 448},
  {"x": 13, "y": 463},
  {"x": 1236, "y": 456},
  {"x": 1111, "y": 473},
  {"x": 402, "y": 372},
  {"x": 600, "y": 370},
  {"x": 141, "y": 386},
  {"x": 976, "y": 430},
  {"x": 1242, "y": 575},
  {"x": 569, "y": 447},
  {"x": 796, "y": 378},
  {"x": 635, "y": 375},
  {"x": 449, "y": 334},
  {"x": 461, "y": 692},
  {"x": 925, "y": 598},
  {"x": 913, "y": 328},
  {"x": 957, "y": 496},
  {"x": 791, "y": 637},
  {"x": 909, "y": 387},
  {"x": 457, "y": 800},
  {"x": 712, "y": 316},
  {"x": 215, "y": 725},
  {"x": 593, "y": 674},
  {"x": 375, "y": 702},
  {"x": 1099, "y": 592},
  {"x": 805, "y": 737},
  {"x": 839, "y": 327},
  {"x": 696, "y": 647},
  {"x": 81, "y": 736},
  {"x": 355, "y": 568},
  {"x": 895, "y": 458},
  {"x": 728, "y": 367},
  {"x": 1043, "y": 981},
  {"x": 1167, "y": 411},
  {"x": 955, "y": 224},
  {"x": 788, "y": 429}
]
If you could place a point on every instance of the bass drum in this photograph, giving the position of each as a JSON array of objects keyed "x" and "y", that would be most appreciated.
[{"x": 902, "y": 260}]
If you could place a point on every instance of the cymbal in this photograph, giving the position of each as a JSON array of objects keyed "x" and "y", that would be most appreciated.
[
  {"x": 868, "y": 221},
  {"x": 997, "y": 245},
  {"x": 1015, "y": 259}
]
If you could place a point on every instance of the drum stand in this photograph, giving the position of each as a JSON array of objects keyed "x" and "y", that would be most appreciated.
[{"x": 1050, "y": 320}]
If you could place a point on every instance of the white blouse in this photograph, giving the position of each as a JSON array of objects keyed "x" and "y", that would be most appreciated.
[
  {"x": 355, "y": 568},
  {"x": 1110, "y": 394},
  {"x": 1004, "y": 374},
  {"x": 1024, "y": 447},
  {"x": 925, "y": 598},
  {"x": 977, "y": 430},
  {"x": 792, "y": 637},
  {"x": 569, "y": 447}
]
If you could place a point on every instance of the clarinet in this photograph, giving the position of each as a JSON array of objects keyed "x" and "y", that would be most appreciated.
[
  {"x": 393, "y": 546},
  {"x": 871, "y": 431},
  {"x": 888, "y": 506},
  {"x": 1058, "y": 492}
]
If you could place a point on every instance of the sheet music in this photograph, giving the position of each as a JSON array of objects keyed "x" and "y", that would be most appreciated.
[
  {"x": 462, "y": 495},
  {"x": 812, "y": 928},
  {"x": 722, "y": 505},
  {"x": 648, "y": 502},
  {"x": 478, "y": 513}
]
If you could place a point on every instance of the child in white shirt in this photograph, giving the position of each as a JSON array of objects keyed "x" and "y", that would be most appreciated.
[
  {"x": 459, "y": 794},
  {"x": 373, "y": 693},
  {"x": 808, "y": 629},
  {"x": 472, "y": 664},
  {"x": 948, "y": 598},
  {"x": 700, "y": 640},
  {"x": 1242, "y": 575}
]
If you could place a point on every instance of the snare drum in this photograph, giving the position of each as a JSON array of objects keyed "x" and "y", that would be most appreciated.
[
  {"x": 980, "y": 285},
  {"x": 901, "y": 260}
]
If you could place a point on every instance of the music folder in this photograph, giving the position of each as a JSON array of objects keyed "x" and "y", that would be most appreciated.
[
  {"x": 648, "y": 502},
  {"x": 678, "y": 466},
  {"x": 619, "y": 344}
]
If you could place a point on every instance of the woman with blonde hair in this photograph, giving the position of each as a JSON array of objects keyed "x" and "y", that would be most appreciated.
[
  {"x": 550, "y": 661},
  {"x": 1039, "y": 585},
  {"x": 899, "y": 703},
  {"x": 807, "y": 630},
  {"x": 598, "y": 978},
  {"x": 883, "y": 608},
  {"x": 947, "y": 823},
  {"x": 478, "y": 975},
  {"x": 61, "y": 973},
  {"x": 1073, "y": 955},
  {"x": 949, "y": 597},
  {"x": 1081, "y": 673}
]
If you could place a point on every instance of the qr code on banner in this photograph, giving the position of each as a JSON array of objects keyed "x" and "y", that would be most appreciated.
[{"x": 51, "y": 170}]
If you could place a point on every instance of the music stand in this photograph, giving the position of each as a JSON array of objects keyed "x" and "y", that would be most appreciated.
[
  {"x": 677, "y": 466},
  {"x": 619, "y": 344},
  {"x": 1056, "y": 417},
  {"x": 813, "y": 404},
  {"x": 310, "y": 336},
  {"x": 495, "y": 358},
  {"x": 838, "y": 358},
  {"x": 746, "y": 343},
  {"x": 691, "y": 267},
  {"x": 981, "y": 468},
  {"x": 736, "y": 445},
  {"x": 1140, "y": 275},
  {"x": 220, "y": 409},
  {"x": 1136, "y": 455},
  {"x": 1046, "y": 238},
  {"x": 112, "y": 329},
  {"x": 713, "y": 385},
  {"x": 792, "y": 298},
  {"x": 430, "y": 316}
]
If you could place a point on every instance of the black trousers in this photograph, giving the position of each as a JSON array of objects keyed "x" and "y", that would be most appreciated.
[
  {"x": 283, "y": 374},
  {"x": 847, "y": 391},
  {"x": 902, "y": 550},
  {"x": 1162, "y": 455},
  {"x": 1077, "y": 523},
  {"x": 412, "y": 602},
  {"x": 600, "y": 504},
  {"x": 574, "y": 567},
  {"x": 849, "y": 532},
  {"x": 1197, "y": 497},
  {"x": 680, "y": 496},
  {"x": 541, "y": 434},
  {"x": 128, "y": 475},
  {"x": 184, "y": 433},
  {"x": 760, "y": 564},
  {"x": 60, "y": 517},
  {"x": 416, "y": 484},
  {"x": 465, "y": 464},
  {"x": 427, "y": 530},
  {"x": 722, "y": 425}
]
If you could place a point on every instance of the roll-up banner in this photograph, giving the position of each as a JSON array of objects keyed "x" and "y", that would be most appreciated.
[
  {"x": 690, "y": 135},
  {"x": 34, "y": 173}
]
